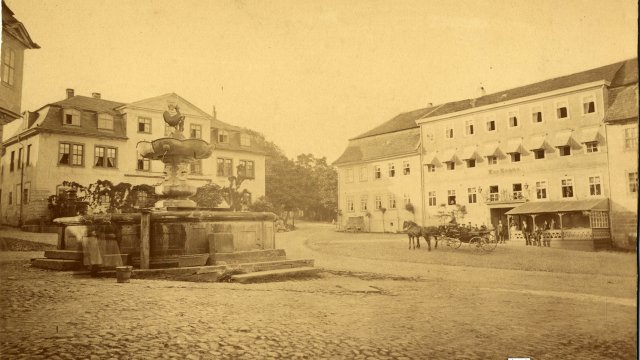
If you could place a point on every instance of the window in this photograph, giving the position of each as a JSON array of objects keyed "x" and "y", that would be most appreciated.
[
  {"x": 25, "y": 192},
  {"x": 105, "y": 121},
  {"x": 432, "y": 198},
  {"x": 105, "y": 157},
  {"x": 378, "y": 202},
  {"x": 407, "y": 199},
  {"x": 195, "y": 131},
  {"x": 567, "y": 188},
  {"x": 29, "y": 155},
  {"x": 472, "y": 195},
  {"x": 392, "y": 201},
  {"x": 595, "y": 186},
  {"x": 513, "y": 119},
  {"x": 8, "y": 66},
  {"x": 71, "y": 154},
  {"x": 517, "y": 191},
  {"x": 143, "y": 164},
  {"x": 471, "y": 163},
  {"x": 448, "y": 132},
  {"x": 223, "y": 136},
  {"x": 349, "y": 177},
  {"x": 541, "y": 189},
  {"x": 451, "y": 165},
  {"x": 588, "y": 105},
  {"x": 431, "y": 168},
  {"x": 592, "y": 146},
  {"x": 12, "y": 164},
  {"x": 515, "y": 157},
  {"x": 538, "y": 153},
  {"x": 632, "y": 181},
  {"x": 406, "y": 168},
  {"x": 144, "y": 125},
  {"x": 248, "y": 167},
  {"x": 562, "y": 110},
  {"x": 564, "y": 150},
  {"x": 18, "y": 194},
  {"x": 19, "y": 158},
  {"x": 631, "y": 138},
  {"x": 392, "y": 170},
  {"x": 71, "y": 117},
  {"x": 492, "y": 160},
  {"x": 195, "y": 167},
  {"x": 377, "y": 172},
  {"x": 350, "y": 207},
  {"x": 451, "y": 197},
  {"x": 225, "y": 167},
  {"x": 141, "y": 199},
  {"x": 468, "y": 127},
  {"x": 494, "y": 193},
  {"x": 536, "y": 114},
  {"x": 363, "y": 203},
  {"x": 599, "y": 219},
  {"x": 491, "y": 125},
  {"x": 10, "y": 197},
  {"x": 245, "y": 140},
  {"x": 363, "y": 173}
]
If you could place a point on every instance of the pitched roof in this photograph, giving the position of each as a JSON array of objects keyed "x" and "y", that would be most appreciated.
[
  {"x": 90, "y": 103},
  {"x": 400, "y": 122},
  {"x": 380, "y": 146},
  {"x": 623, "y": 104},
  {"x": 15, "y": 28}
]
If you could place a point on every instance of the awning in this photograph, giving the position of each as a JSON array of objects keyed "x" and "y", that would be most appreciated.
[
  {"x": 430, "y": 159},
  {"x": 490, "y": 149},
  {"x": 514, "y": 146},
  {"x": 469, "y": 152},
  {"x": 448, "y": 155},
  {"x": 536, "y": 142},
  {"x": 590, "y": 134},
  {"x": 541, "y": 207},
  {"x": 563, "y": 138}
]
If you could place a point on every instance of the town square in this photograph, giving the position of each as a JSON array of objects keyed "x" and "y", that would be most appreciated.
[{"x": 318, "y": 180}]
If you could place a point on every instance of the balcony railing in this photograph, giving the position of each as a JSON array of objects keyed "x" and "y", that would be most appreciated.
[{"x": 506, "y": 197}]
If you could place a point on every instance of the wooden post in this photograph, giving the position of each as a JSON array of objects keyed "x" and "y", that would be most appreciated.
[
  {"x": 561, "y": 230},
  {"x": 145, "y": 232}
]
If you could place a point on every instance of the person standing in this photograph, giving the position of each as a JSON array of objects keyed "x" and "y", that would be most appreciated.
[
  {"x": 526, "y": 233},
  {"x": 500, "y": 232}
]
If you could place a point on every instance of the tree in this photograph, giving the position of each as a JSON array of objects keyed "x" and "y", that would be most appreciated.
[{"x": 208, "y": 196}]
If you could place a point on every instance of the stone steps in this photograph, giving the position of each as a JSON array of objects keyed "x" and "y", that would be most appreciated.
[
  {"x": 63, "y": 254},
  {"x": 240, "y": 257},
  {"x": 272, "y": 275},
  {"x": 274, "y": 265},
  {"x": 56, "y": 264}
]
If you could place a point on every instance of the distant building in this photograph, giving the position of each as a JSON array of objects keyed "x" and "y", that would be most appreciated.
[
  {"x": 84, "y": 139},
  {"x": 15, "y": 40},
  {"x": 539, "y": 154}
]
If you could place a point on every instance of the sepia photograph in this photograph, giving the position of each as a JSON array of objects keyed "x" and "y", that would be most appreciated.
[{"x": 319, "y": 179}]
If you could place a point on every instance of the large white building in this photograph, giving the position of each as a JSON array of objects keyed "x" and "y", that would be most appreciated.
[
  {"x": 539, "y": 154},
  {"x": 84, "y": 139}
]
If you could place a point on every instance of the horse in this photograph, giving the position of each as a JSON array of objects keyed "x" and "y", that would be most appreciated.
[{"x": 414, "y": 231}]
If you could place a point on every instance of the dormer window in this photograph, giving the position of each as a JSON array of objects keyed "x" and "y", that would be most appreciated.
[
  {"x": 245, "y": 140},
  {"x": 105, "y": 122},
  {"x": 223, "y": 136},
  {"x": 71, "y": 117}
]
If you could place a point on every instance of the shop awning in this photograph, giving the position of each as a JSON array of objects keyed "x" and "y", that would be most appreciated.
[
  {"x": 562, "y": 138},
  {"x": 541, "y": 207},
  {"x": 490, "y": 149},
  {"x": 514, "y": 146},
  {"x": 590, "y": 134},
  {"x": 448, "y": 155},
  {"x": 469, "y": 152},
  {"x": 430, "y": 159},
  {"x": 536, "y": 142}
]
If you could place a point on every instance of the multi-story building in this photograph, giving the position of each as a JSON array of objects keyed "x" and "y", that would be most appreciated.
[
  {"x": 85, "y": 139},
  {"x": 15, "y": 40},
  {"x": 379, "y": 176},
  {"x": 538, "y": 154}
]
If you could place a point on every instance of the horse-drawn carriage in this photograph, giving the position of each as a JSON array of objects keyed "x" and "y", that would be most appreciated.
[{"x": 453, "y": 234}]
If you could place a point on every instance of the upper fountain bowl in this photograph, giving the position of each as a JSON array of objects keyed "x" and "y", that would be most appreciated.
[{"x": 167, "y": 148}]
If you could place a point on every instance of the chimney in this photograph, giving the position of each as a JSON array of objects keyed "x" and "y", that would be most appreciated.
[
  {"x": 214, "y": 114},
  {"x": 70, "y": 93},
  {"x": 95, "y": 95},
  {"x": 430, "y": 104},
  {"x": 481, "y": 91}
]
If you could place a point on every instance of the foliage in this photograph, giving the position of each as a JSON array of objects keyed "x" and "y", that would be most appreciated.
[
  {"x": 453, "y": 212},
  {"x": 209, "y": 195},
  {"x": 410, "y": 208},
  {"x": 262, "y": 205}
]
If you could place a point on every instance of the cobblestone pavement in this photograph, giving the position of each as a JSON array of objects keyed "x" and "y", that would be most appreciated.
[{"x": 341, "y": 314}]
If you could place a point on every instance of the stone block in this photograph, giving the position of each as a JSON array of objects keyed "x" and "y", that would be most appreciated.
[
  {"x": 239, "y": 257},
  {"x": 63, "y": 254},
  {"x": 221, "y": 242},
  {"x": 56, "y": 264},
  {"x": 274, "y": 274}
]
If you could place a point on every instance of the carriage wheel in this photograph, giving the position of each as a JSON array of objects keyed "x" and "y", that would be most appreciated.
[
  {"x": 454, "y": 243},
  {"x": 476, "y": 242},
  {"x": 489, "y": 243}
]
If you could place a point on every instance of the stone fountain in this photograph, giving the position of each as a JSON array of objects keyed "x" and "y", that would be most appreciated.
[{"x": 175, "y": 233}]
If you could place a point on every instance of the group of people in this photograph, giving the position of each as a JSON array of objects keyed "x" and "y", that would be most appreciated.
[{"x": 537, "y": 237}]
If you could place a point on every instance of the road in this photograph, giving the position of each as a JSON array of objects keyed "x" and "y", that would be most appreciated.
[{"x": 359, "y": 308}]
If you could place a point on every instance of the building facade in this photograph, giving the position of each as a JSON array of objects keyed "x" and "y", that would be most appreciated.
[
  {"x": 85, "y": 139},
  {"x": 540, "y": 154}
]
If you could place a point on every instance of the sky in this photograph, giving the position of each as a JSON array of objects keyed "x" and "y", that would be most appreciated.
[{"x": 310, "y": 75}]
